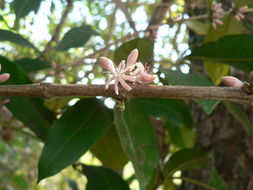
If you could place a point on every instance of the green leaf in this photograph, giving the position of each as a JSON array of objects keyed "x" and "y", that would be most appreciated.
[
  {"x": 32, "y": 65},
  {"x": 240, "y": 116},
  {"x": 101, "y": 178},
  {"x": 186, "y": 159},
  {"x": 217, "y": 71},
  {"x": 137, "y": 134},
  {"x": 22, "y": 8},
  {"x": 235, "y": 50},
  {"x": 216, "y": 181},
  {"x": 34, "y": 115},
  {"x": 76, "y": 37},
  {"x": 72, "y": 135},
  {"x": 178, "y": 78},
  {"x": 6, "y": 35},
  {"x": 144, "y": 46},
  {"x": 106, "y": 149},
  {"x": 199, "y": 27}
]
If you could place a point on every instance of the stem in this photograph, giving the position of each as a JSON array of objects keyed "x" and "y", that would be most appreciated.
[{"x": 195, "y": 182}]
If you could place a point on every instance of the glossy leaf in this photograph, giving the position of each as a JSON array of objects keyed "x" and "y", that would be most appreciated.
[
  {"x": 76, "y": 37},
  {"x": 178, "y": 78},
  {"x": 137, "y": 133},
  {"x": 22, "y": 8},
  {"x": 34, "y": 114},
  {"x": 144, "y": 46},
  {"x": 106, "y": 149},
  {"x": 32, "y": 65},
  {"x": 101, "y": 178},
  {"x": 235, "y": 50},
  {"x": 186, "y": 159},
  {"x": 216, "y": 181},
  {"x": 240, "y": 116},
  {"x": 6, "y": 35},
  {"x": 72, "y": 135}
]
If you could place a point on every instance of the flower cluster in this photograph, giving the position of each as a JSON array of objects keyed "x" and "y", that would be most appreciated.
[
  {"x": 240, "y": 13},
  {"x": 132, "y": 71},
  {"x": 4, "y": 77}
]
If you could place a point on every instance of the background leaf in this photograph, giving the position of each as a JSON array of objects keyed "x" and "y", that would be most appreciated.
[
  {"x": 144, "y": 46},
  {"x": 76, "y": 37},
  {"x": 6, "y": 35},
  {"x": 178, "y": 78},
  {"x": 72, "y": 135},
  {"x": 234, "y": 50},
  {"x": 216, "y": 181},
  {"x": 32, "y": 65},
  {"x": 22, "y": 8},
  {"x": 186, "y": 159},
  {"x": 101, "y": 178}
]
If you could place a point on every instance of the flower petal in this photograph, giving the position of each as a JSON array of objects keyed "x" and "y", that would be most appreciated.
[
  {"x": 129, "y": 78},
  {"x": 4, "y": 77},
  {"x": 145, "y": 77},
  {"x": 124, "y": 84},
  {"x": 132, "y": 57},
  {"x": 108, "y": 81},
  {"x": 107, "y": 64},
  {"x": 116, "y": 87}
]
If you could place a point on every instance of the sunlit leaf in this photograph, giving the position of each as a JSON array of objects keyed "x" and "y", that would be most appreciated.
[
  {"x": 72, "y": 135},
  {"x": 76, "y": 37},
  {"x": 101, "y": 178}
]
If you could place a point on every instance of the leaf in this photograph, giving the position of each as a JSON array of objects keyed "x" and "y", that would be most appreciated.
[
  {"x": 6, "y": 35},
  {"x": 72, "y": 135},
  {"x": 22, "y": 8},
  {"x": 34, "y": 114},
  {"x": 186, "y": 159},
  {"x": 32, "y": 65},
  {"x": 217, "y": 71},
  {"x": 235, "y": 50},
  {"x": 199, "y": 27},
  {"x": 101, "y": 178},
  {"x": 240, "y": 116},
  {"x": 144, "y": 46},
  {"x": 106, "y": 149},
  {"x": 216, "y": 181},
  {"x": 137, "y": 134},
  {"x": 76, "y": 37},
  {"x": 178, "y": 78}
]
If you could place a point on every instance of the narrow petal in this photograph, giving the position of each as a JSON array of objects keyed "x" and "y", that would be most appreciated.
[
  {"x": 116, "y": 87},
  {"x": 145, "y": 77},
  {"x": 108, "y": 81},
  {"x": 107, "y": 64},
  {"x": 129, "y": 78},
  {"x": 132, "y": 57},
  {"x": 4, "y": 77},
  {"x": 232, "y": 81},
  {"x": 124, "y": 84}
]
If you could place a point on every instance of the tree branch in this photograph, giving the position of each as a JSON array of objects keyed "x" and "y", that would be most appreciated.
[{"x": 48, "y": 90}]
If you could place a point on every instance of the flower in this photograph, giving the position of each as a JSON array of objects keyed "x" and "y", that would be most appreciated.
[
  {"x": 232, "y": 81},
  {"x": 240, "y": 13},
  {"x": 131, "y": 71},
  {"x": 217, "y": 15},
  {"x": 4, "y": 77}
]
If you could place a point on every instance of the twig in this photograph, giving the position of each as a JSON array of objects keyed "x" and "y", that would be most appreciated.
[
  {"x": 48, "y": 90},
  {"x": 59, "y": 26}
]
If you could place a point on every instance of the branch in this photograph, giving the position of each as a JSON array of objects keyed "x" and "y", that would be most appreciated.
[{"x": 48, "y": 90}]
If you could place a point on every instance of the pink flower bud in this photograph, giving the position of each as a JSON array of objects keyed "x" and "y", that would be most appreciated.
[
  {"x": 4, "y": 77},
  {"x": 107, "y": 64},
  {"x": 145, "y": 77},
  {"x": 232, "y": 81},
  {"x": 132, "y": 57}
]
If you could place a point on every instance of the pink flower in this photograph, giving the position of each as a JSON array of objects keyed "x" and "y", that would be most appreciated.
[
  {"x": 4, "y": 77},
  {"x": 131, "y": 71},
  {"x": 240, "y": 13},
  {"x": 217, "y": 15},
  {"x": 232, "y": 81}
]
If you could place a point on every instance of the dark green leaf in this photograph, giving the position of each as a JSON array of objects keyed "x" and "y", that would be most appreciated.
[
  {"x": 235, "y": 50},
  {"x": 32, "y": 65},
  {"x": 239, "y": 114},
  {"x": 216, "y": 181},
  {"x": 22, "y": 8},
  {"x": 144, "y": 46},
  {"x": 101, "y": 178},
  {"x": 76, "y": 37},
  {"x": 6, "y": 35},
  {"x": 106, "y": 149},
  {"x": 186, "y": 159},
  {"x": 33, "y": 113},
  {"x": 72, "y": 135},
  {"x": 178, "y": 78}
]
